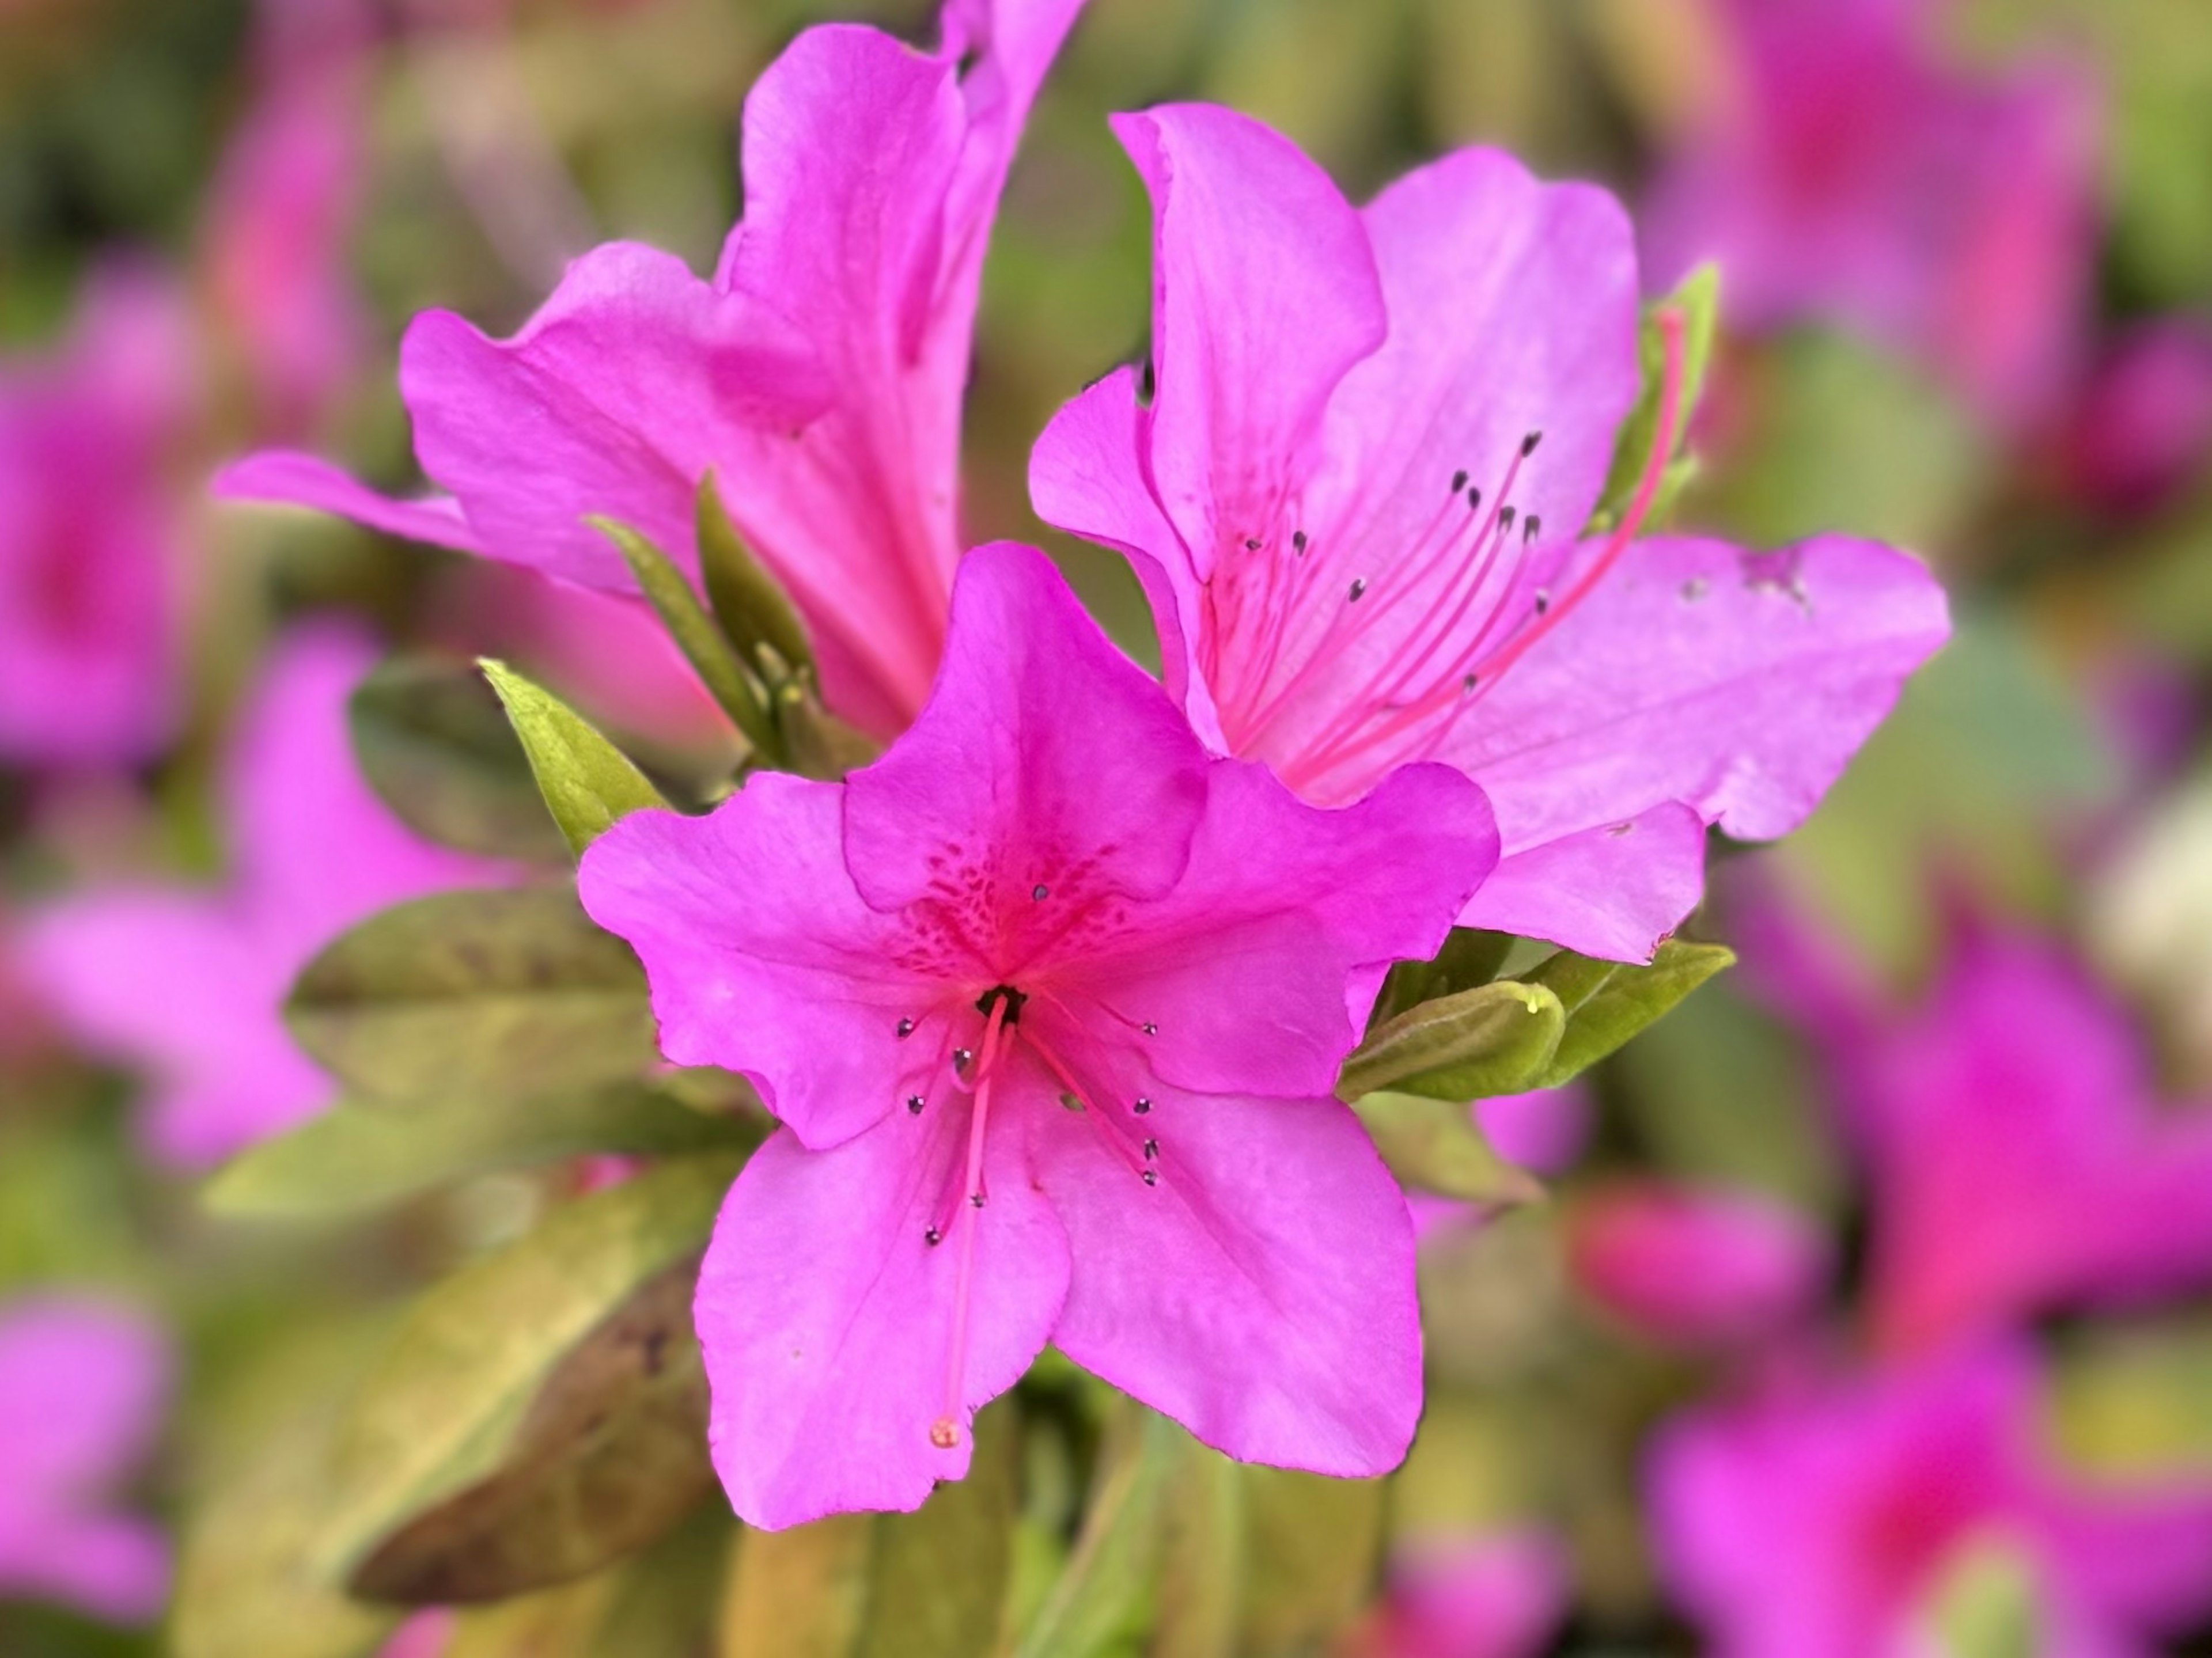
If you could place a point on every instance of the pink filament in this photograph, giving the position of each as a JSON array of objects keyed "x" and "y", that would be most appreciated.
[{"x": 945, "y": 1432}]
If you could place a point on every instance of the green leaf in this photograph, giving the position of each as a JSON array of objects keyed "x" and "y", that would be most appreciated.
[
  {"x": 355, "y": 1158},
  {"x": 1313, "y": 1553},
  {"x": 1493, "y": 1039},
  {"x": 1470, "y": 956},
  {"x": 511, "y": 994},
  {"x": 587, "y": 782},
  {"x": 1697, "y": 301},
  {"x": 1987, "y": 1603},
  {"x": 1434, "y": 1145},
  {"x": 672, "y": 597},
  {"x": 1607, "y": 1002},
  {"x": 433, "y": 742},
  {"x": 923, "y": 1585},
  {"x": 1110, "y": 1574},
  {"x": 1203, "y": 1551},
  {"x": 750, "y": 603},
  {"x": 245, "y": 1584},
  {"x": 818, "y": 744},
  {"x": 541, "y": 1412}
]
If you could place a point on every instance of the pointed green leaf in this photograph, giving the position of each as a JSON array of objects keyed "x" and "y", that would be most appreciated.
[
  {"x": 540, "y": 1413},
  {"x": 1313, "y": 1554},
  {"x": 750, "y": 603},
  {"x": 353, "y": 1159},
  {"x": 1697, "y": 301},
  {"x": 1110, "y": 1574},
  {"x": 431, "y": 740},
  {"x": 818, "y": 744},
  {"x": 1470, "y": 956},
  {"x": 671, "y": 596},
  {"x": 1492, "y": 1040},
  {"x": 1435, "y": 1146},
  {"x": 1607, "y": 1002},
  {"x": 586, "y": 780},
  {"x": 506, "y": 994}
]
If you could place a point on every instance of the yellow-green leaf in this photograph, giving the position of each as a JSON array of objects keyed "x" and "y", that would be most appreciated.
[
  {"x": 1607, "y": 1002},
  {"x": 431, "y": 740},
  {"x": 750, "y": 603},
  {"x": 1435, "y": 1146},
  {"x": 704, "y": 646},
  {"x": 1494, "y": 1039},
  {"x": 586, "y": 782}
]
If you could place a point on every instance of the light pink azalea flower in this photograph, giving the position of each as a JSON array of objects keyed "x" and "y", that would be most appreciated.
[
  {"x": 1850, "y": 172},
  {"x": 1355, "y": 496},
  {"x": 1498, "y": 1596},
  {"x": 2019, "y": 1157},
  {"x": 283, "y": 209},
  {"x": 186, "y": 982},
  {"x": 819, "y": 374},
  {"x": 91, "y": 546},
  {"x": 83, "y": 1386},
  {"x": 1819, "y": 1522},
  {"x": 1051, "y": 1004},
  {"x": 1696, "y": 1265}
]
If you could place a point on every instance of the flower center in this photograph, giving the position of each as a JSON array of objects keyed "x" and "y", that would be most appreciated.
[{"x": 1411, "y": 641}]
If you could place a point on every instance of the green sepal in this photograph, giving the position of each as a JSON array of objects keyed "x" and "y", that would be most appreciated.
[
  {"x": 585, "y": 781},
  {"x": 750, "y": 605},
  {"x": 1435, "y": 1146},
  {"x": 434, "y": 742},
  {"x": 507, "y": 993},
  {"x": 539, "y": 1414},
  {"x": 703, "y": 644},
  {"x": 1494, "y": 1039},
  {"x": 1697, "y": 301},
  {"x": 1607, "y": 1002}
]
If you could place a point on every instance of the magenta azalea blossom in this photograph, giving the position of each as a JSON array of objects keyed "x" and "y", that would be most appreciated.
[
  {"x": 1051, "y": 1004},
  {"x": 1697, "y": 1265},
  {"x": 2018, "y": 1156},
  {"x": 92, "y": 546},
  {"x": 1821, "y": 1523},
  {"x": 1849, "y": 173},
  {"x": 1498, "y": 1596},
  {"x": 82, "y": 1389},
  {"x": 819, "y": 374},
  {"x": 187, "y": 983},
  {"x": 1355, "y": 500}
]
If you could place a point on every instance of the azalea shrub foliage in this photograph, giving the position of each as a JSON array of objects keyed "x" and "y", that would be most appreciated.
[{"x": 1360, "y": 830}]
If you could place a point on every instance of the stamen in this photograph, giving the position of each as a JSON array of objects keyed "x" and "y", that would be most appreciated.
[
  {"x": 945, "y": 1432},
  {"x": 1040, "y": 892},
  {"x": 915, "y": 1102},
  {"x": 905, "y": 1028},
  {"x": 1359, "y": 586},
  {"x": 1459, "y": 481},
  {"x": 1143, "y": 1107}
]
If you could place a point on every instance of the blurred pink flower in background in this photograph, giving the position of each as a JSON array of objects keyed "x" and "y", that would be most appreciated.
[
  {"x": 187, "y": 983},
  {"x": 1355, "y": 499},
  {"x": 2019, "y": 1159},
  {"x": 1852, "y": 174},
  {"x": 281, "y": 212},
  {"x": 1497, "y": 1596},
  {"x": 83, "y": 1387},
  {"x": 1696, "y": 1265},
  {"x": 1824, "y": 1521},
  {"x": 820, "y": 375},
  {"x": 2141, "y": 428},
  {"x": 93, "y": 552},
  {"x": 994, "y": 986}
]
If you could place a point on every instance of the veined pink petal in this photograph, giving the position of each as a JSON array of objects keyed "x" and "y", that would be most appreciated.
[
  {"x": 1615, "y": 891},
  {"x": 288, "y": 478}
]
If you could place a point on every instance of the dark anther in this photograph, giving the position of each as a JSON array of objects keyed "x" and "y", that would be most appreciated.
[
  {"x": 1040, "y": 892},
  {"x": 1014, "y": 999},
  {"x": 1142, "y": 1106},
  {"x": 1474, "y": 501},
  {"x": 1149, "y": 1028},
  {"x": 961, "y": 1058},
  {"x": 1359, "y": 586},
  {"x": 1532, "y": 528},
  {"x": 1467, "y": 683},
  {"x": 1152, "y": 1177},
  {"x": 932, "y": 1237},
  {"x": 1151, "y": 1149},
  {"x": 915, "y": 1102},
  {"x": 906, "y": 1027},
  {"x": 1505, "y": 517},
  {"x": 1297, "y": 541},
  {"x": 1529, "y": 444},
  {"x": 1459, "y": 481},
  {"x": 1251, "y": 544},
  {"x": 975, "y": 1197},
  {"x": 1543, "y": 601}
]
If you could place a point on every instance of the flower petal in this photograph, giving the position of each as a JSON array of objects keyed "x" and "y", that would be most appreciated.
[
  {"x": 762, "y": 958},
  {"x": 825, "y": 1316},
  {"x": 286, "y": 477},
  {"x": 1614, "y": 892},
  {"x": 1739, "y": 683},
  {"x": 1261, "y": 1293},
  {"x": 1045, "y": 759}
]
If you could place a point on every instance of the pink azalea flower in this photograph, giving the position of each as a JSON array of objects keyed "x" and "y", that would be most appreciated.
[
  {"x": 91, "y": 543},
  {"x": 1819, "y": 1522},
  {"x": 1501, "y": 1596},
  {"x": 283, "y": 210},
  {"x": 818, "y": 374},
  {"x": 1697, "y": 1266},
  {"x": 1850, "y": 173},
  {"x": 83, "y": 1386},
  {"x": 2019, "y": 1157},
  {"x": 2141, "y": 428},
  {"x": 1354, "y": 499},
  {"x": 1050, "y": 1005},
  {"x": 186, "y": 982}
]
